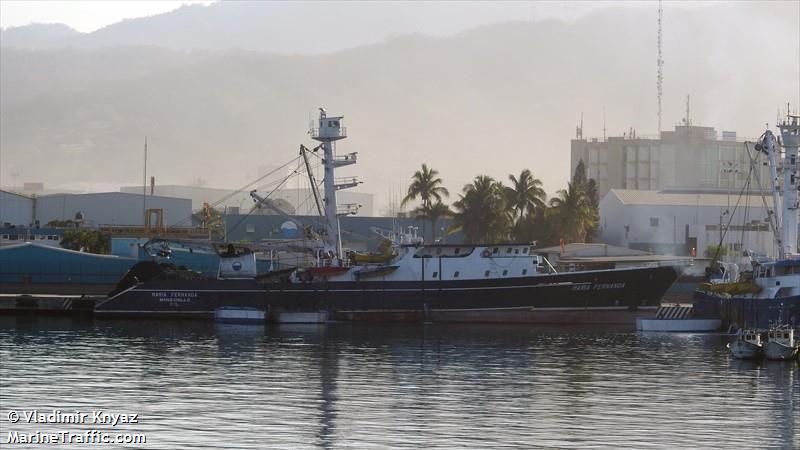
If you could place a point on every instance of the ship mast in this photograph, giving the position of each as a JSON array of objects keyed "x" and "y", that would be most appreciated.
[
  {"x": 329, "y": 131},
  {"x": 790, "y": 139}
]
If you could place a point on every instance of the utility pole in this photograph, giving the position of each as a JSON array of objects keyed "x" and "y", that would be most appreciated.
[
  {"x": 660, "y": 63},
  {"x": 144, "y": 187}
]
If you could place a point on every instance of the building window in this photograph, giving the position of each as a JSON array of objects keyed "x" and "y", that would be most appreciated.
[
  {"x": 455, "y": 275},
  {"x": 654, "y": 221}
]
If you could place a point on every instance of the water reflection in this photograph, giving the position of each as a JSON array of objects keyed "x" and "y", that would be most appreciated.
[{"x": 433, "y": 386}]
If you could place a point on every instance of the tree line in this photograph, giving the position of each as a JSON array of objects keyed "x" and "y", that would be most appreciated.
[{"x": 487, "y": 210}]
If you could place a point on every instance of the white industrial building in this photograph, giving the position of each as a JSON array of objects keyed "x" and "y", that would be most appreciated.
[
  {"x": 677, "y": 221},
  {"x": 97, "y": 209},
  {"x": 15, "y": 209}
]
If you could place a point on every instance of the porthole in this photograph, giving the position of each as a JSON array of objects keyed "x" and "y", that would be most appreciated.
[
  {"x": 524, "y": 271},
  {"x": 435, "y": 274},
  {"x": 486, "y": 274},
  {"x": 505, "y": 272},
  {"x": 455, "y": 275}
]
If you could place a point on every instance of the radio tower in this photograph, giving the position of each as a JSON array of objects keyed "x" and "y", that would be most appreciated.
[{"x": 660, "y": 62}]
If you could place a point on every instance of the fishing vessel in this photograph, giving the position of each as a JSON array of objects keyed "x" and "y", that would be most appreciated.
[
  {"x": 413, "y": 281},
  {"x": 747, "y": 345},
  {"x": 781, "y": 344},
  {"x": 768, "y": 293}
]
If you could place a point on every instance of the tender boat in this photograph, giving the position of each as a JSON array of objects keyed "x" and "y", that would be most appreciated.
[
  {"x": 747, "y": 345},
  {"x": 239, "y": 315},
  {"x": 677, "y": 319},
  {"x": 781, "y": 344},
  {"x": 377, "y": 271}
]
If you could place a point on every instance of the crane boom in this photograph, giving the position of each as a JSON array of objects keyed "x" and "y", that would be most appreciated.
[{"x": 314, "y": 190}]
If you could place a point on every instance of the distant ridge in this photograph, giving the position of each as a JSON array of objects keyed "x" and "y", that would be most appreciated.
[
  {"x": 489, "y": 100},
  {"x": 38, "y": 36}
]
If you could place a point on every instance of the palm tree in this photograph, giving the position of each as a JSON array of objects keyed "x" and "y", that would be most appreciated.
[
  {"x": 426, "y": 185},
  {"x": 573, "y": 211},
  {"x": 433, "y": 213},
  {"x": 525, "y": 196},
  {"x": 481, "y": 211}
]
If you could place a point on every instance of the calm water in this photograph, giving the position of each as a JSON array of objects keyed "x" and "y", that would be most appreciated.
[{"x": 199, "y": 385}]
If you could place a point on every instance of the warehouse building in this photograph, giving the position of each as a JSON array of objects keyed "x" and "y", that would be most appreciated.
[
  {"x": 291, "y": 200},
  {"x": 15, "y": 209},
  {"x": 683, "y": 222},
  {"x": 93, "y": 210}
]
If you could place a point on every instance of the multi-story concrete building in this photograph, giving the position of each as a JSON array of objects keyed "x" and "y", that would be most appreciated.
[{"x": 688, "y": 157}]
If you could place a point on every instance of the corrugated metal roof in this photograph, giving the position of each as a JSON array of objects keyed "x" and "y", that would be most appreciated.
[{"x": 661, "y": 198}]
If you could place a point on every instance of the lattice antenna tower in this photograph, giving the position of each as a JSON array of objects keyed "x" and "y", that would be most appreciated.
[{"x": 660, "y": 62}]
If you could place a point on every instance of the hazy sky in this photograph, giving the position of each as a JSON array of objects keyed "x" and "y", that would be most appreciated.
[{"x": 88, "y": 16}]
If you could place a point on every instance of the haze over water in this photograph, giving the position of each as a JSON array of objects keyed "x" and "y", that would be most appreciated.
[{"x": 415, "y": 386}]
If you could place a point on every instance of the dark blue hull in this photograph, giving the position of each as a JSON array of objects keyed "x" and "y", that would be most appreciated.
[
  {"x": 610, "y": 296},
  {"x": 748, "y": 312}
]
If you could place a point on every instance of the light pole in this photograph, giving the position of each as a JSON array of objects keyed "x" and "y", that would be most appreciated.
[{"x": 730, "y": 168}]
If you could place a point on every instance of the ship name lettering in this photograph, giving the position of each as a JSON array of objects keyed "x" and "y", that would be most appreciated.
[{"x": 608, "y": 286}]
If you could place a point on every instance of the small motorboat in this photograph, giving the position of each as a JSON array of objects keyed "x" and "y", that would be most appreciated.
[
  {"x": 747, "y": 345},
  {"x": 780, "y": 344},
  {"x": 372, "y": 258}
]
